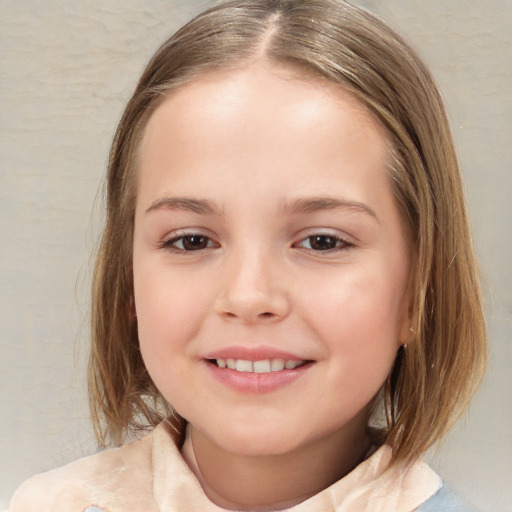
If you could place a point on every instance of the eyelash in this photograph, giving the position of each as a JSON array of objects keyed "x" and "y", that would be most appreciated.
[
  {"x": 169, "y": 244},
  {"x": 340, "y": 243}
]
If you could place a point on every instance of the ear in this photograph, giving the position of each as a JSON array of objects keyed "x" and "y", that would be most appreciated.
[
  {"x": 407, "y": 333},
  {"x": 132, "y": 308}
]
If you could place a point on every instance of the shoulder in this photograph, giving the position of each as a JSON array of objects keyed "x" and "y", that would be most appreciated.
[
  {"x": 120, "y": 476},
  {"x": 446, "y": 500}
]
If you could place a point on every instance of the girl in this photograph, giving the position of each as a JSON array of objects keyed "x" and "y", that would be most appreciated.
[{"x": 286, "y": 292}]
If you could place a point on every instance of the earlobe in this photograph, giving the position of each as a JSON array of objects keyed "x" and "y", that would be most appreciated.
[
  {"x": 407, "y": 334},
  {"x": 133, "y": 309}
]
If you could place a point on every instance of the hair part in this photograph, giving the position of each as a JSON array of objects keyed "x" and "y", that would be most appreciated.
[{"x": 434, "y": 377}]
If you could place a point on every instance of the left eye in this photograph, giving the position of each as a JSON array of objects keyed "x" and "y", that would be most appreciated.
[
  {"x": 189, "y": 243},
  {"x": 323, "y": 243}
]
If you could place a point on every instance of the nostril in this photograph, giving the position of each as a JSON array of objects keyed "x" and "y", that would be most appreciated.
[{"x": 267, "y": 314}]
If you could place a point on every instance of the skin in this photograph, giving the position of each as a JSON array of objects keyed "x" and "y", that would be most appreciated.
[{"x": 261, "y": 145}]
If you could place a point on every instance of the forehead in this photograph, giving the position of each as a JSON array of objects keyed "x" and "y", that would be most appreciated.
[
  {"x": 242, "y": 91},
  {"x": 259, "y": 120}
]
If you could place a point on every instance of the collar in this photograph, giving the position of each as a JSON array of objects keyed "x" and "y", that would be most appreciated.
[{"x": 370, "y": 487}]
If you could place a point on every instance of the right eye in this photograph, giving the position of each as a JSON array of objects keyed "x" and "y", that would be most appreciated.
[
  {"x": 324, "y": 243},
  {"x": 189, "y": 243}
]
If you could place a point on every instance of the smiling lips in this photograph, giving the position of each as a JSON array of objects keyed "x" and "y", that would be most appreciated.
[
  {"x": 263, "y": 366},
  {"x": 256, "y": 370}
]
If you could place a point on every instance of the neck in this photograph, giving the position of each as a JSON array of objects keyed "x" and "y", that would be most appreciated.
[{"x": 272, "y": 482}]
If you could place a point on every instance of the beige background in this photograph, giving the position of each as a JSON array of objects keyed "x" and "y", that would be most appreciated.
[{"x": 66, "y": 69}]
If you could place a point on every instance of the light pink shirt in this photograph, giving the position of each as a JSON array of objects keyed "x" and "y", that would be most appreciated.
[{"x": 150, "y": 475}]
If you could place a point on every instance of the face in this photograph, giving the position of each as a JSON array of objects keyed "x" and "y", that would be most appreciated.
[{"x": 270, "y": 263}]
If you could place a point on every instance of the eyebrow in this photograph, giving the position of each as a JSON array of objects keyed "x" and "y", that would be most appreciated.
[
  {"x": 201, "y": 206},
  {"x": 315, "y": 204},
  {"x": 302, "y": 205}
]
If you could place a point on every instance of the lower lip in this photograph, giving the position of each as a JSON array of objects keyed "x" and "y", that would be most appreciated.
[{"x": 249, "y": 382}]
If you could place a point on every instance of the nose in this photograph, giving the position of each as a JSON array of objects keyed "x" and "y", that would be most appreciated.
[{"x": 252, "y": 291}]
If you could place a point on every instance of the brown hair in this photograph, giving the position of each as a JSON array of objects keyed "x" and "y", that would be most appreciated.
[{"x": 434, "y": 377}]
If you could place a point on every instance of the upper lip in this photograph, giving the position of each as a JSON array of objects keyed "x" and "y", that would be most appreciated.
[{"x": 257, "y": 353}]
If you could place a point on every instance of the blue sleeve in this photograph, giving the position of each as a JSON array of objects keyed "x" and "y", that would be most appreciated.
[{"x": 446, "y": 500}]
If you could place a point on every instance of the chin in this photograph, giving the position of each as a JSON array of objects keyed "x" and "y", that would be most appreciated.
[
  {"x": 251, "y": 438},
  {"x": 258, "y": 446}
]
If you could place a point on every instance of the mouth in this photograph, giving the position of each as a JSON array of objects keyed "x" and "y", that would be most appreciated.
[
  {"x": 256, "y": 369},
  {"x": 261, "y": 366},
  {"x": 257, "y": 376}
]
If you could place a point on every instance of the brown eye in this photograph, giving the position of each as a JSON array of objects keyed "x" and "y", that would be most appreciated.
[
  {"x": 194, "y": 242},
  {"x": 324, "y": 243},
  {"x": 188, "y": 243}
]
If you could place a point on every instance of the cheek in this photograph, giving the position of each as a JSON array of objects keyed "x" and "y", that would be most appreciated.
[
  {"x": 168, "y": 309},
  {"x": 167, "y": 320},
  {"x": 358, "y": 319},
  {"x": 365, "y": 307}
]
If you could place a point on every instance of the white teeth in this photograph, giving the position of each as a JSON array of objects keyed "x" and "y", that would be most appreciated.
[
  {"x": 263, "y": 366},
  {"x": 277, "y": 365},
  {"x": 243, "y": 366}
]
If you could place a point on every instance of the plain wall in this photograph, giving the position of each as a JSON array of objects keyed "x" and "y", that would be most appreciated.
[{"x": 66, "y": 69}]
